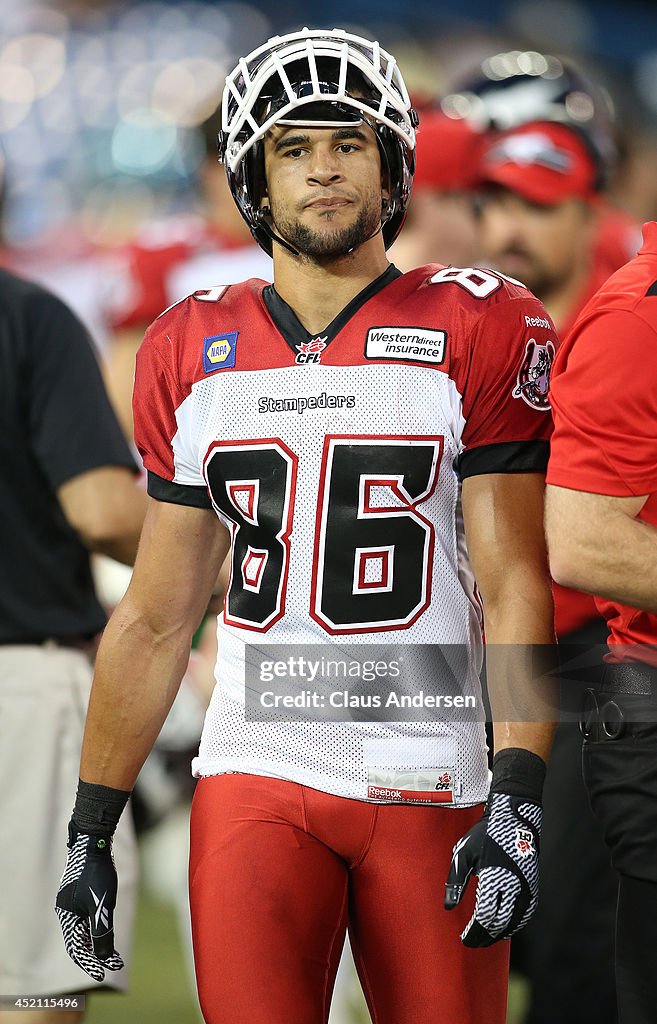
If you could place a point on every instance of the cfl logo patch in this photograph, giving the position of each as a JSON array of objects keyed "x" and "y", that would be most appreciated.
[
  {"x": 444, "y": 781},
  {"x": 310, "y": 351},
  {"x": 524, "y": 843}
]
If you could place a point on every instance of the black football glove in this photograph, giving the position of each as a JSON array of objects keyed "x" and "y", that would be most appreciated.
[
  {"x": 502, "y": 851},
  {"x": 85, "y": 904},
  {"x": 87, "y": 891}
]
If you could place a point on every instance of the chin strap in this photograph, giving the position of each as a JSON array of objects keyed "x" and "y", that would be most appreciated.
[{"x": 264, "y": 223}]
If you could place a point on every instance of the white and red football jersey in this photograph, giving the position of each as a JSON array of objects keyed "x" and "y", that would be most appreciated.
[{"x": 336, "y": 463}]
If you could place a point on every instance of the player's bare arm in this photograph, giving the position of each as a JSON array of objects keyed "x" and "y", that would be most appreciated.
[
  {"x": 106, "y": 507},
  {"x": 145, "y": 647},
  {"x": 597, "y": 544},
  {"x": 503, "y": 516},
  {"x": 141, "y": 662}
]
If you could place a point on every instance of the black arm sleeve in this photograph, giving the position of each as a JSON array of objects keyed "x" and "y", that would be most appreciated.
[
  {"x": 504, "y": 457},
  {"x": 177, "y": 494}
]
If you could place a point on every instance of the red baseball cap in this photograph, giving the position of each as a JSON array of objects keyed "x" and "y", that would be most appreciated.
[
  {"x": 447, "y": 153},
  {"x": 542, "y": 161}
]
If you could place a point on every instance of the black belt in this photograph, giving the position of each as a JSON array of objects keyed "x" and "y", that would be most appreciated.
[
  {"x": 605, "y": 718},
  {"x": 629, "y": 677}
]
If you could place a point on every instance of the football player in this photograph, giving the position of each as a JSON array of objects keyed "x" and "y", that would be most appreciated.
[{"x": 366, "y": 444}]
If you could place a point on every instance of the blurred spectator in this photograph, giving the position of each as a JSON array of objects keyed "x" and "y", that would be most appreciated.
[
  {"x": 518, "y": 87},
  {"x": 67, "y": 264},
  {"x": 441, "y": 226},
  {"x": 69, "y": 489},
  {"x": 169, "y": 260},
  {"x": 511, "y": 89}
]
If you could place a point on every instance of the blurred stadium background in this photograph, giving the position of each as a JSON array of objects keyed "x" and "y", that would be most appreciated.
[
  {"x": 99, "y": 101},
  {"x": 100, "y": 107}
]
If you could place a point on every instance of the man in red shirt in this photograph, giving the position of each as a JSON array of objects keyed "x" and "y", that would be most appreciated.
[
  {"x": 540, "y": 222},
  {"x": 601, "y": 520}
]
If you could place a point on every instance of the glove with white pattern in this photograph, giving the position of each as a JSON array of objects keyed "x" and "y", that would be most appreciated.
[
  {"x": 502, "y": 851},
  {"x": 88, "y": 888},
  {"x": 85, "y": 904}
]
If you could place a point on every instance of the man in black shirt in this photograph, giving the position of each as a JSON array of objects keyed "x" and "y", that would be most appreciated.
[{"x": 68, "y": 488}]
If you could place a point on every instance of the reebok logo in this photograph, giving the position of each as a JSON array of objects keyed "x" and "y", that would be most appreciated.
[
  {"x": 406, "y": 344},
  {"x": 101, "y": 914},
  {"x": 457, "y": 849},
  {"x": 376, "y": 793},
  {"x": 538, "y": 321}
]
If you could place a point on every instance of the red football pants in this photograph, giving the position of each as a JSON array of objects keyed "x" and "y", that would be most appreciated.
[{"x": 277, "y": 873}]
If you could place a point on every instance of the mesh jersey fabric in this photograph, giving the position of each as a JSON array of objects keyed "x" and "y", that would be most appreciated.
[{"x": 296, "y": 445}]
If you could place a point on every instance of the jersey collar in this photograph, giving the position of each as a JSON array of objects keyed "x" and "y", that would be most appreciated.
[{"x": 293, "y": 331}]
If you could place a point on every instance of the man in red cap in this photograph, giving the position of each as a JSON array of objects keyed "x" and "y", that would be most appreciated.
[
  {"x": 539, "y": 215},
  {"x": 540, "y": 218}
]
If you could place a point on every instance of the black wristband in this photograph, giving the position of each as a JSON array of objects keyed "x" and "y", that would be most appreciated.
[
  {"x": 518, "y": 772},
  {"x": 98, "y": 808}
]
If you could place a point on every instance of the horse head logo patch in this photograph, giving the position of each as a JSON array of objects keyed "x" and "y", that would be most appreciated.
[{"x": 533, "y": 378}]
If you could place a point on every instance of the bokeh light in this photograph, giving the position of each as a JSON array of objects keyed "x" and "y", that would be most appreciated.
[{"x": 96, "y": 94}]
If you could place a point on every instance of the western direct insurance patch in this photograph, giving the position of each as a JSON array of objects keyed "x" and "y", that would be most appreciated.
[{"x": 414, "y": 344}]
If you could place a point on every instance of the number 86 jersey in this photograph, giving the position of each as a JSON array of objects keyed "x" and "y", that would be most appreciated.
[{"x": 336, "y": 463}]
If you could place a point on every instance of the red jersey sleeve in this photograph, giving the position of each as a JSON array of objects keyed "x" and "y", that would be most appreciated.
[
  {"x": 505, "y": 391},
  {"x": 605, "y": 407},
  {"x": 164, "y": 432}
]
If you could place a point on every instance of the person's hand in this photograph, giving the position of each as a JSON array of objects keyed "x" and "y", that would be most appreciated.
[
  {"x": 85, "y": 903},
  {"x": 502, "y": 851}
]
